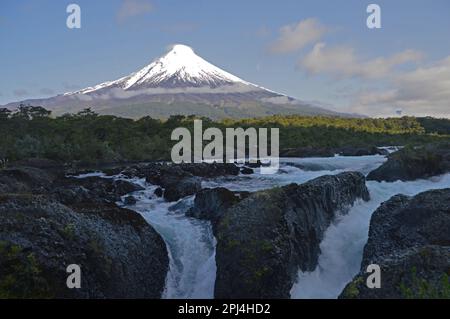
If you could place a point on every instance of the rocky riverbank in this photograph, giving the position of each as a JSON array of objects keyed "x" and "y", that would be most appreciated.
[
  {"x": 409, "y": 238},
  {"x": 49, "y": 221},
  {"x": 264, "y": 238},
  {"x": 412, "y": 163}
]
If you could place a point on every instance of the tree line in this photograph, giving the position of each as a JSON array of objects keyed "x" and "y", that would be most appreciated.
[{"x": 88, "y": 137}]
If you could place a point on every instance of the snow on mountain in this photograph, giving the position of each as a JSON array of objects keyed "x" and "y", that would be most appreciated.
[
  {"x": 179, "y": 82},
  {"x": 179, "y": 68}
]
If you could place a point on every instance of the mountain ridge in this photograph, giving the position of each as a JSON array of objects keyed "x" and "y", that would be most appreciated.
[{"x": 170, "y": 83}]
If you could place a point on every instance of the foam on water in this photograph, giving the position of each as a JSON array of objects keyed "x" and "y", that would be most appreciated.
[
  {"x": 190, "y": 242},
  {"x": 343, "y": 243}
]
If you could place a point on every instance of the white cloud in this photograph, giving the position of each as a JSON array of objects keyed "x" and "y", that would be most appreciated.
[
  {"x": 424, "y": 91},
  {"x": 342, "y": 61},
  {"x": 296, "y": 36},
  {"x": 132, "y": 8}
]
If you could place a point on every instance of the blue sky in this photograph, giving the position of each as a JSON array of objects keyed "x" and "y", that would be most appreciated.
[{"x": 341, "y": 63}]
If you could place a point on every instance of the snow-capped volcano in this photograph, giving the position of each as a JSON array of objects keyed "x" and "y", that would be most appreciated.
[
  {"x": 179, "y": 68},
  {"x": 179, "y": 82}
]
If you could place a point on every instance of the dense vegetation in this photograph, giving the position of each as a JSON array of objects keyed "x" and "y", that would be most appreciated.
[{"x": 90, "y": 138}]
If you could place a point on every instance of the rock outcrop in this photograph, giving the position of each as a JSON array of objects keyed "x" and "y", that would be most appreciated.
[
  {"x": 414, "y": 163},
  {"x": 211, "y": 203},
  {"x": 263, "y": 240},
  {"x": 409, "y": 238},
  {"x": 94, "y": 188},
  {"x": 180, "y": 180},
  {"x": 307, "y": 151},
  {"x": 119, "y": 254},
  {"x": 360, "y": 151},
  {"x": 48, "y": 222}
]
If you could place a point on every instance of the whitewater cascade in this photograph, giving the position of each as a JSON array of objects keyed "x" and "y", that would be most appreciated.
[{"x": 191, "y": 243}]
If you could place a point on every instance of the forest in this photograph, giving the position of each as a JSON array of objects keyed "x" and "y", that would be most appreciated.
[{"x": 90, "y": 138}]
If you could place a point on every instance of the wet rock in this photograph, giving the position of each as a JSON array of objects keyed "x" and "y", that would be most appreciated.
[
  {"x": 158, "y": 192},
  {"x": 361, "y": 151},
  {"x": 25, "y": 179},
  {"x": 414, "y": 163},
  {"x": 409, "y": 238},
  {"x": 100, "y": 189},
  {"x": 119, "y": 254},
  {"x": 210, "y": 170},
  {"x": 53, "y": 167},
  {"x": 307, "y": 151},
  {"x": 211, "y": 203},
  {"x": 246, "y": 171},
  {"x": 122, "y": 187},
  {"x": 129, "y": 200},
  {"x": 263, "y": 240}
]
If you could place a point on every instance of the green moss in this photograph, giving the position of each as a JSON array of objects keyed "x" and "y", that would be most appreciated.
[
  {"x": 232, "y": 243},
  {"x": 68, "y": 231},
  {"x": 20, "y": 274},
  {"x": 97, "y": 251},
  {"x": 419, "y": 288},
  {"x": 259, "y": 274},
  {"x": 352, "y": 290}
]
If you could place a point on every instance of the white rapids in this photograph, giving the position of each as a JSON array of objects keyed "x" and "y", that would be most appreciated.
[{"x": 191, "y": 243}]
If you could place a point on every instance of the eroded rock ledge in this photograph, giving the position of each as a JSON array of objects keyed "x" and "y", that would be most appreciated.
[
  {"x": 264, "y": 239},
  {"x": 409, "y": 238},
  {"x": 48, "y": 221}
]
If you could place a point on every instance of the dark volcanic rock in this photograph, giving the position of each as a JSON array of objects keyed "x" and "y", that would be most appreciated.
[
  {"x": 182, "y": 188},
  {"x": 176, "y": 182},
  {"x": 413, "y": 163},
  {"x": 50, "y": 166},
  {"x": 158, "y": 192},
  {"x": 361, "y": 151},
  {"x": 409, "y": 238},
  {"x": 266, "y": 238},
  {"x": 310, "y": 151},
  {"x": 211, "y": 203},
  {"x": 122, "y": 187},
  {"x": 211, "y": 169},
  {"x": 25, "y": 179},
  {"x": 307, "y": 151},
  {"x": 120, "y": 255},
  {"x": 99, "y": 189},
  {"x": 179, "y": 180},
  {"x": 129, "y": 200},
  {"x": 246, "y": 171}
]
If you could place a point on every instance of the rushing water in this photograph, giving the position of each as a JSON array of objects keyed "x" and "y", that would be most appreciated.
[
  {"x": 191, "y": 243},
  {"x": 344, "y": 240}
]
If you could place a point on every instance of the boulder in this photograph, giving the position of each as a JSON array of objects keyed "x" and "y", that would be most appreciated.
[
  {"x": 99, "y": 188},
  {"x": 50, "y": 166},
  {"x": 409, "y": 238},
  {"x": 361, "y": 151},
  {"x": 120, "y": 255},
  {"x": 211, "y": 203},
  {"x": 263, "y": 240},
  {"x": 25, "y": 179},
  {"x": 129, "y": 200},
  {"x": 307, "y": 151},
  {"x": 159, "y": 192},
  {"x": 246, "y": 170},
  {"x": 411, "y": 163},
  {"x": 210, "y": 170}
]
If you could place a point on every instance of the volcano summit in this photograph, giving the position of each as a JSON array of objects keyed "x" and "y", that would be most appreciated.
[{"x": 178, "y": 83}]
